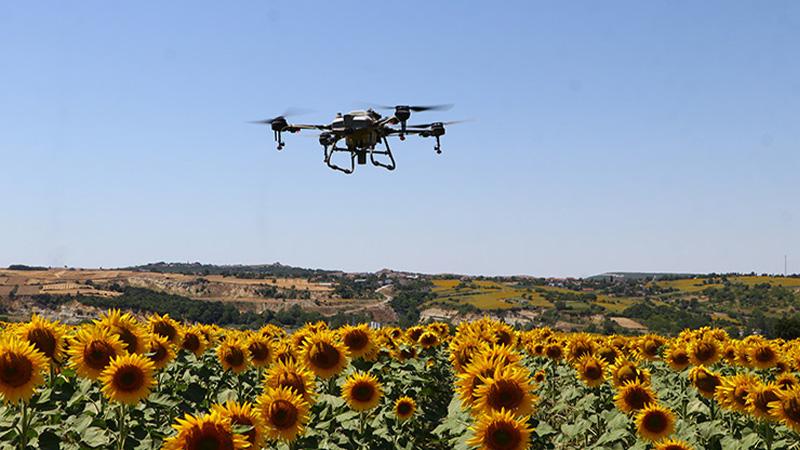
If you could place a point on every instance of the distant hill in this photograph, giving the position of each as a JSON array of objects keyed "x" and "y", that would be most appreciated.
[
  {"x": 642, "y": 276},
  {"x": 238, "y": 270}
]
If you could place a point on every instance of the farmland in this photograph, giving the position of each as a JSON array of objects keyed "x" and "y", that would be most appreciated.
[{"x": 123, "y": 383}]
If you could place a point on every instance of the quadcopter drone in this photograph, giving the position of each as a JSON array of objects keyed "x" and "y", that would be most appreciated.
[{"x": 362, "y": 131}]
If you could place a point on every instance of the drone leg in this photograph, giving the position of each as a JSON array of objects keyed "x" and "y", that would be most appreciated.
[
  {"x": 438, "y": 147},
  {"x": 387, "y": 152},
  {"x": 333, "y": 166},
  {"x": 278, "y": 140}
]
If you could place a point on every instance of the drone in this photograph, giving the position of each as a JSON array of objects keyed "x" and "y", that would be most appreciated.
[{"x": 362, "y": 131}]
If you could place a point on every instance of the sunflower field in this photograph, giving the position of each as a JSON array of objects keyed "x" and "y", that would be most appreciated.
[{"x": 127, "y": 382}]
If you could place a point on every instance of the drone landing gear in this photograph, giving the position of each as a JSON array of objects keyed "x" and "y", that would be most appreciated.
[
  {"x": 332, "y": 165},
  {"x": 279, "y": 140},
  {"x": 387, "y": 152},
  {"x": 438, "y": 147}
]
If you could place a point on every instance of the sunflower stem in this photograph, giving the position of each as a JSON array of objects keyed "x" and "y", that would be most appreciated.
[
  {"x": 121, "y": 426},
  {"x": 23, "y": 426}
]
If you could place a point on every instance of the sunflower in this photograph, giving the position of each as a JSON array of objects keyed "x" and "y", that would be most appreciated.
[
  {"x": 734, "y": 390},
  {"x": 325, "y": 355},
  {"x": 677, "y": 357},
  {"x": 233, "y": 354},
  {"x": 21, "y": 369},
  {"x": 284, "y": 352},
  {"x": 786, "y": 381},
  {"x": 508, "y": 389},
  {"x": 655, "y": 422},
  {"x": 127, "y": 329},
  {"x": 503, "y": 334},
  {"x": 128, "y": 379},
  {"x": 787, "y": 408},
  {"x": 260, "y": 349},
  {"x": 92, "y": 351},
  {"x": 194, "y": 340},
  {"x": 650, "y": 346},
  {"x": 759, "y": 398},
  {"x": 705, "y": 381},
  {"x": 47, "y": 337},
  {"x": 625, "y": 370},
  {"x": 470, "y": 381},
  {"x": 607, "y": 353},
  {"x": 293, "y": 376},
  {"x": 208, "y": 432},
  {"x": 244, "y": 415},
  {"x": 428, "y": 339},
  {"x": 160, "y": 351},
  {"x": 413, "y": 333},
  {"x": 672, "y": 444},
  {"x": 284, "y": 413},
  {"x": 404, "y": 408},
  {"x": 579, "y": 345},
  {"x": 634, "y": 396},
  {"x": 359, "y": 340},
  {"x": 554, "y": 351},
  {"x": 167, "y": 327},
  {"x": 591, "y": 370},
  {"x": 361, "y": 391},
  {"x": 500, "y": 430},
  {"x": 704, "y": 352},
  {"x": 763, "y": 355},
  {"x": 462, "y": 353},
  {"x": 539, "y": 376}
]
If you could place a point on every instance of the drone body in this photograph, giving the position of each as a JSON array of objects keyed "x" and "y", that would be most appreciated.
[{"x": 358, "y": 133}]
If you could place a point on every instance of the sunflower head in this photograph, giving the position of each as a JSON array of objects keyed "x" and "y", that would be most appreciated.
[
  {"x": 428, "y": 339},
  {"x": 554, "y": 351},
  {"x": 128, "y": 379},
  {"x": 359, "y": 339},
  {"x": 704, "y": 352},
  {"x": 786, "y": 381},
  {"x": 283, "y": 412},
  {"x": 705, "y": 381},
  {"x": 404, "y": 408},
  {"x": 500, "y": 430},
  {"x": 734, "y": 391},
  {"x": 763, "y": 355},
  {"x": 127, "y": 329},
  {"x": 677, "y": 357},
  {"x": 507, "y": 389},
  {"x": 233, "y": 354},
  {"x": 362, "y": 391},
  {"x": 634, "y": 396},
  {"x": 325, "y": 354},
  {"x": 244, "y": 415},
  {"x": 672, "y": 444},
  {"x": 650, "y": 346},
  {"x": 194, "y": 340},
  {"x": 625, "y": 370},
  {"x": 580, "y": 345},
  {"x": 655, "y": 422},
  {"x": 47, "y": 337},
  {"x": 591, "y": 370},
  {"x": 291, "y": 375},
  {"x": 166, "y": 327},
  {"x": 787, "y": 408},
  {"x": 760, "y": 397},
  {"x": 93, "y": 349},
  {"x": 160, "y": 351},
  {"x": 260, "y": 349},
  {"x": 208, "y": 432},
  {"x": 21, "y": 369}
]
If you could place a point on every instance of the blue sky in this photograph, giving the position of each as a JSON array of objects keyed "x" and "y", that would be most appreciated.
[{"x": 652, "y": 136}]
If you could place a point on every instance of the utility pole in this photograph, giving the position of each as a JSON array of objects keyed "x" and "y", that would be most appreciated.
[{"x": 785, "y": 265}]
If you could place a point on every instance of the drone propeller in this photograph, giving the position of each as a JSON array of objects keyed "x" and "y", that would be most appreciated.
[
  {"x": 290, "y": 112},
  {"x": 413, "y": 108},
  {"x": 428, "y": 125}
]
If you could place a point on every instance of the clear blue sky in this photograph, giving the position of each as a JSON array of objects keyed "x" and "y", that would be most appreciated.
[{"x": 652, "y": 136}]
